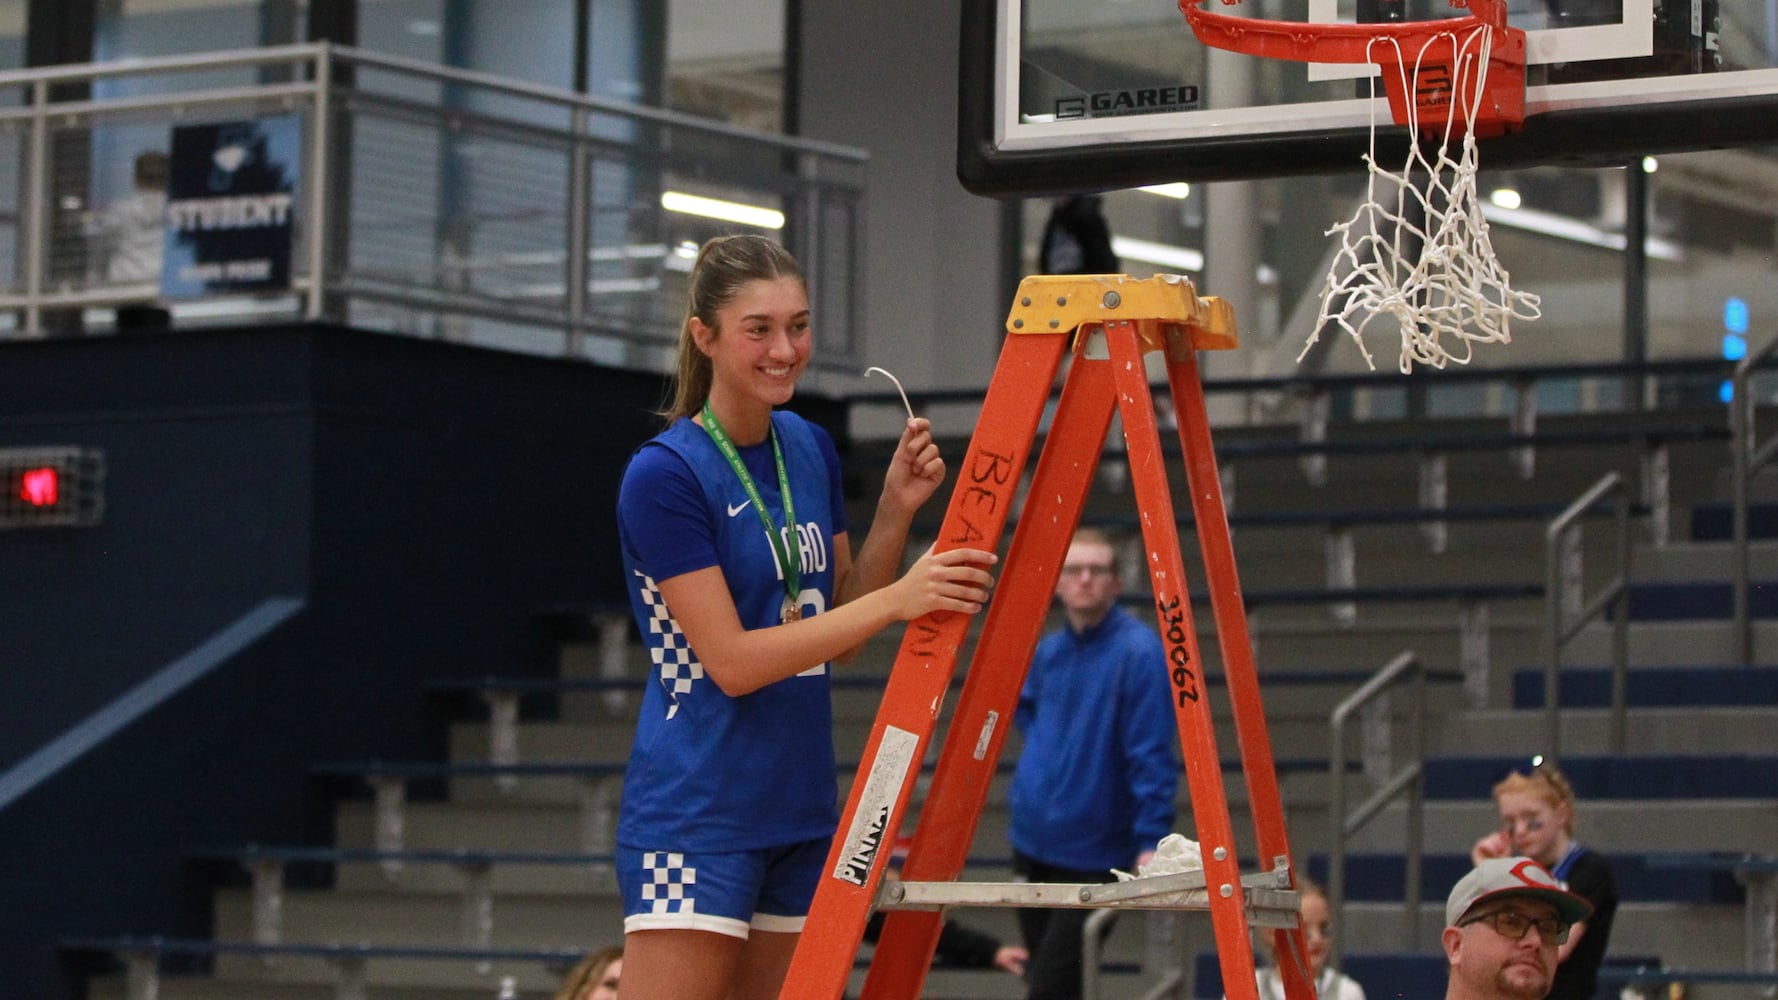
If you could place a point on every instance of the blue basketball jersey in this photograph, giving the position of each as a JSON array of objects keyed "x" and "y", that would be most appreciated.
[{"x": 707, "y": 771}]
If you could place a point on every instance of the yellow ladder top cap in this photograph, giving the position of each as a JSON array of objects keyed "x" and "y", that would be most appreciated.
[{"x": 1057, "y": 303}]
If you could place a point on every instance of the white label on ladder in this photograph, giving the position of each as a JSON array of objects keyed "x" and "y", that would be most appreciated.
[
  {"x": 895, "y": 754},
  {"x": 981, "y": 743}
]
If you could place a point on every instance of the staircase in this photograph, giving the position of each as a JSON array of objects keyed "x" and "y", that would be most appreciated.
[{"x": 487, "y": 873}]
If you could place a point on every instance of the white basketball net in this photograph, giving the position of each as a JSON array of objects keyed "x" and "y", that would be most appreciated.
[{"x": 1421, "y": 256}]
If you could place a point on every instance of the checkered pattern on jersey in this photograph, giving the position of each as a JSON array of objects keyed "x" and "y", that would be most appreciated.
[
  {"x": 668, "y": 876},
  {"x": 667, "y": 647}
]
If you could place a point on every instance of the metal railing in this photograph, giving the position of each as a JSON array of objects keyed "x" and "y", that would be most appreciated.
[
  {"x": 1568, "y": 611},
  {"x": 1406, "y": 780},
  {"x": 430, "y": 201},
  {"x": 1750, "y": 455},
  {"x": 1172, "y": 960}
]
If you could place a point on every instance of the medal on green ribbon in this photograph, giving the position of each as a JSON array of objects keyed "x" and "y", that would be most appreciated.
[{"x": 786, "y": 550}]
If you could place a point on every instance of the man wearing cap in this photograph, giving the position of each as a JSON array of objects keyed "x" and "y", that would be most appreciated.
[{"x": 1504, "y": 923}]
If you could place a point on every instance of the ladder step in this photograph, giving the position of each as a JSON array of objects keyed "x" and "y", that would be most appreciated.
[{"x": 1270, "y": 900}]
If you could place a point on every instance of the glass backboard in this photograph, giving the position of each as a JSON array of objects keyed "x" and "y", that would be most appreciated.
[{"x": 1072, "y": 95}]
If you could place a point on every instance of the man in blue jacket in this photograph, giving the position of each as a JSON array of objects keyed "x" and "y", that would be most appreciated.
[{"x": 1096, "y": 780}]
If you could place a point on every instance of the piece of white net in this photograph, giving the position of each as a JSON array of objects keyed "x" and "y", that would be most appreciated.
[{"x": 1417, "y": 252}]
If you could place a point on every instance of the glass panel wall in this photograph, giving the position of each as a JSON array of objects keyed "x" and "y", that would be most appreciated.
[
  {"x": 137, "y": 29},
  {"x": 141, "y": 29},
  {"x": 726, "y": 61},
  {"x": 716, "y": 61},
  {"x": 12, "y": 56},
  {"x": 478, "y": 207},
  {"x": 12, "y": 34}
]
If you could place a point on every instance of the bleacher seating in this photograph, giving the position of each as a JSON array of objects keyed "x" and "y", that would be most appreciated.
[
  {"x": 1714, "y": 521},
  {"x": 1383, "y": 976},
  {"x": 533, "y": 817},
  {"x": 1652, "y": 687},
  {"x": 1641, "y": 877},
  {"x": 1617, "y": 776}
]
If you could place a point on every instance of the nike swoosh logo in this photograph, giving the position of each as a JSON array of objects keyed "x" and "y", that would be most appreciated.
[{"x": 737, "y": 508}]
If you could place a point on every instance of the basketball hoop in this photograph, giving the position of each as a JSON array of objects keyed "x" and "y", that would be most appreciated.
[{"x": 1417, "y": 251}]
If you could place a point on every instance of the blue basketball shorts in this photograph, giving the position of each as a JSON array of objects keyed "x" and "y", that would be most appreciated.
[{"x": 728, "y": 892}]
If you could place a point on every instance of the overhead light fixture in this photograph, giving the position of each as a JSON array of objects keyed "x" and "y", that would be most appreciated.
[
  {"x": 1650, "y": 164},
  {"x": 1177, "y": 190},
  {"x": 1506, "y": 198},
  {"x": 1563, "y": 227},
  {"x": 727, "y": 211},
  {"x": 1164, "y": 254}
]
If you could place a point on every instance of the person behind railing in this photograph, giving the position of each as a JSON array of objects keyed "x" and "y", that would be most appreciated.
[
  {"x": 1537, "y": 821},
  {"x": 744, "y": 586},
  {"x": 1504, "y": 924},
  {"x": 129, "y": 235},
  {"x": 1096, "y": 779},
  {"x": 1318, "y": 931},
  {"x": 594, "y": 977}
]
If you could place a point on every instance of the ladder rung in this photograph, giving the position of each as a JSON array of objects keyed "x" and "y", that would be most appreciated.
[{"x": 1268, "y": 905}]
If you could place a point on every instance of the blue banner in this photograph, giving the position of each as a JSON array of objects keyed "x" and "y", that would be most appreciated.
[{"x": 231, "y": 200}]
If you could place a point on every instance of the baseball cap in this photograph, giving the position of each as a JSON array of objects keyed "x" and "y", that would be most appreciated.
[{"x": 1501, "y": 878}]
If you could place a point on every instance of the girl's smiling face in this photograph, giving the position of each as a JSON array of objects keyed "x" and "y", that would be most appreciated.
[{"x": 760, "y": 343}]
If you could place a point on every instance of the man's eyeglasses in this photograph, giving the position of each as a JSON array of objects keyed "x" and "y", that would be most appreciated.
[
  {"x": 1511, "y": 924},
  {"x": 1090, "y": 569}
]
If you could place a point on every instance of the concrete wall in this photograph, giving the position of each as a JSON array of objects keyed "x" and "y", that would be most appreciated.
[{"x": 884, "y": 77}]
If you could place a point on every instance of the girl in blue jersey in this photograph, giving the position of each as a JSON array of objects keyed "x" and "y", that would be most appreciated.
[{"x": 744, "y": 585}]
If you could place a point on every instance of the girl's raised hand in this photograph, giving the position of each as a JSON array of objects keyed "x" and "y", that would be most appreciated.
[
  {"x": 1494, "y": 845},
  {"x": 916, "y": 470}
]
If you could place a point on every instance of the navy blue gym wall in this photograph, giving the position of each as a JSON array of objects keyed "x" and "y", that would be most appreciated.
[{"x": 422, "y": 501}]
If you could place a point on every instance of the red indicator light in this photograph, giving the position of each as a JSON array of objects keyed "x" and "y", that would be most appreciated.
[{"x": 40, "y": 487}]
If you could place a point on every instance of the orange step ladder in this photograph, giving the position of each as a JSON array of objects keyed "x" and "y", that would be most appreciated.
[{"x": 1108, "y": 323}]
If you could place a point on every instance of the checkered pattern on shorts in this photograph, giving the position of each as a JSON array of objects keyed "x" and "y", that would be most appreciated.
[
  {"x": 668, "y": 876},
  {"x": 671, "y": 654}
]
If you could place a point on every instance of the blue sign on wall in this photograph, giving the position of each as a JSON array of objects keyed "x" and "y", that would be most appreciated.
[{"x": 231, "y": 199}]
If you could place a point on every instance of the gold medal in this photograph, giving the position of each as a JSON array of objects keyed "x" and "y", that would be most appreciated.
[{"x": 786, "y": 550}]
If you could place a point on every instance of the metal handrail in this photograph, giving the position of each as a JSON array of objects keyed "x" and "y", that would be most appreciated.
[
  {"x": 591, "y": 102},
  {"x": 311, "y": 52},
  {"x": 820, "y": 185},
  {"x": 1092, "y": 953},
  {"x": 1092, "y": 947},
  {"x": 1568, "y": 614},
  {"x": 270, "y": 55},
  {"x": 1749, "y": 456},
  {"x": 1407, "y": 780}
]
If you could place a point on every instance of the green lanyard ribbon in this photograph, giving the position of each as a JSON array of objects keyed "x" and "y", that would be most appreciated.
[{"x": 785, "y": 547}]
